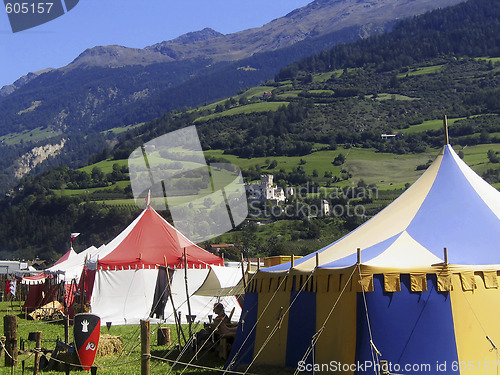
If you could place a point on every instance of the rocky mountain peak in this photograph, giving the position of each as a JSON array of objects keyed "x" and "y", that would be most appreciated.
[{"x": 196, "y": 36}]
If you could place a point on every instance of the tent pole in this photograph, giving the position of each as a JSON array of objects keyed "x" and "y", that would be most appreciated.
[
  {"x": 176, "y": 318},
  {"x": 313, "y": 356},
  {"x": 190, "y": 319},
  {"x": 445, "y": 125},
  {"x": 243, "y": 272},
  {"x": 82, "y": 293}
]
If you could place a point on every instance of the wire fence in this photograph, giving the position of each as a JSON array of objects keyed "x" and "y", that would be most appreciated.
[{"x": 171, "y": 354}]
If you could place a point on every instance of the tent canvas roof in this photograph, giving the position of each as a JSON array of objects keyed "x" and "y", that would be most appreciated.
[
  {"x": 149, "y": 241},
  {"x": 73, "y": 266},
  {"x": 222, "y": 281},
  {"x": 68, "y": 255},
  {"x": 449, "y": 206}
]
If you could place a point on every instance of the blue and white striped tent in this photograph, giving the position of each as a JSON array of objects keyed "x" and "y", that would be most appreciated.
[{"x": 403, "y": 301}]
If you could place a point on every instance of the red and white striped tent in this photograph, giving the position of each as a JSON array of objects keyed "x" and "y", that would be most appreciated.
[{"x": 126, "y": 273}]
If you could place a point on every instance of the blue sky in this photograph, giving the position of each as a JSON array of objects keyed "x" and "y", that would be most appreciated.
[{"x": 131, "y": 23}]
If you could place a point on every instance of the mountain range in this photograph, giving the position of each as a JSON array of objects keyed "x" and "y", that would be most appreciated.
[{"x": 115, "y": 86}]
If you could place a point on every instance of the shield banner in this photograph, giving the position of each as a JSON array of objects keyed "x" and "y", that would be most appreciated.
[{"x": 86, "y": 332}]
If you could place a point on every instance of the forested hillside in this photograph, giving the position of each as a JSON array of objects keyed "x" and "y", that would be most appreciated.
[
  {"x": 468, "y": 29},
  {"x": 329, "y": 106}
]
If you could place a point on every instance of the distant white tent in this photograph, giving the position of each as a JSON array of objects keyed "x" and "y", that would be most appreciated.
[
  {"x": 67, "y": 268},
  {"x": 71, "y": 269}
]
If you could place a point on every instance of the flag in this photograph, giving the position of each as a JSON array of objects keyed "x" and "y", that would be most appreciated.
[
  {"x": 13, "y": 286},
  {"x": 73, "y": 236},
  {"x": 10, "y": 286}
]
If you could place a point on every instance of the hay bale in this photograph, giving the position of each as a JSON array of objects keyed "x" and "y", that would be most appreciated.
[
  {"x": 109, "y": 345},
  {"x": 47, "y": 311}
]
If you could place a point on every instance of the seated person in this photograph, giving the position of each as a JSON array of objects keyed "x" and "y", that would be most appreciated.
[{"x": 222, "y": 324}]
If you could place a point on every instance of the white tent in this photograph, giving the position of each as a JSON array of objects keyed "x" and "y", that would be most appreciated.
[
  {"x": 127, "y": 269},
  {"x": 71, "y": 269}
]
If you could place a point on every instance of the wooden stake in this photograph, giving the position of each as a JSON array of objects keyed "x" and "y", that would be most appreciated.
[
  {"x": 10, "y": 332},
  {"x": 38, "y": 353},
  {"x": 164, "y": 336},
  {"x": 66, "y": 329},
  {"x": 445, "y": 256},
  {"x": 317, "y": 260},
  {"x": 292, "y": 261},
  {"x": 2, "y": 340},
  {"x": 145, "y": 348},
  {"x": 445, "y": 125},
  {"x": 359, "y": 255}
]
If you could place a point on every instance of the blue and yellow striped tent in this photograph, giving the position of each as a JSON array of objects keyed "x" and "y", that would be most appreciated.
[{"x": 401, "y": 298}]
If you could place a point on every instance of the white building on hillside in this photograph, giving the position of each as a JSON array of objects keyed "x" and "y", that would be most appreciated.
[{"x": 266, "y": 190}]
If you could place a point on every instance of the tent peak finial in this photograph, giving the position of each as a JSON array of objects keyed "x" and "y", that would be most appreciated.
[{"x": 445, "y": 125}]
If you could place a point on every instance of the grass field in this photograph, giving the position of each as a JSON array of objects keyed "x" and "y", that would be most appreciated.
[
  {"x": 249, "y": 108},
  {"x": 434, "y": 125},
  {"x": 127, "y": 363},
  {"x": 476, "y": 156},
  {"x": 105, "y": 165},
  {"x": 250, "y": 93},
  {"x": 428, "y": 125},
  {"x": 289, "y": 94},
  {"x": 33, "y": 106},
  {"x": 28, "y": 136},
  {"x": 383, "y": 169},
  {"x": 385, "y": 96},
  {"x": 386, "y": 170},
  {"x": 419, "y": 71},
  {"x": 123, "y": 129},
  {"x": 323, "y": 77},
  {"x": 74, "y": 192}
]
